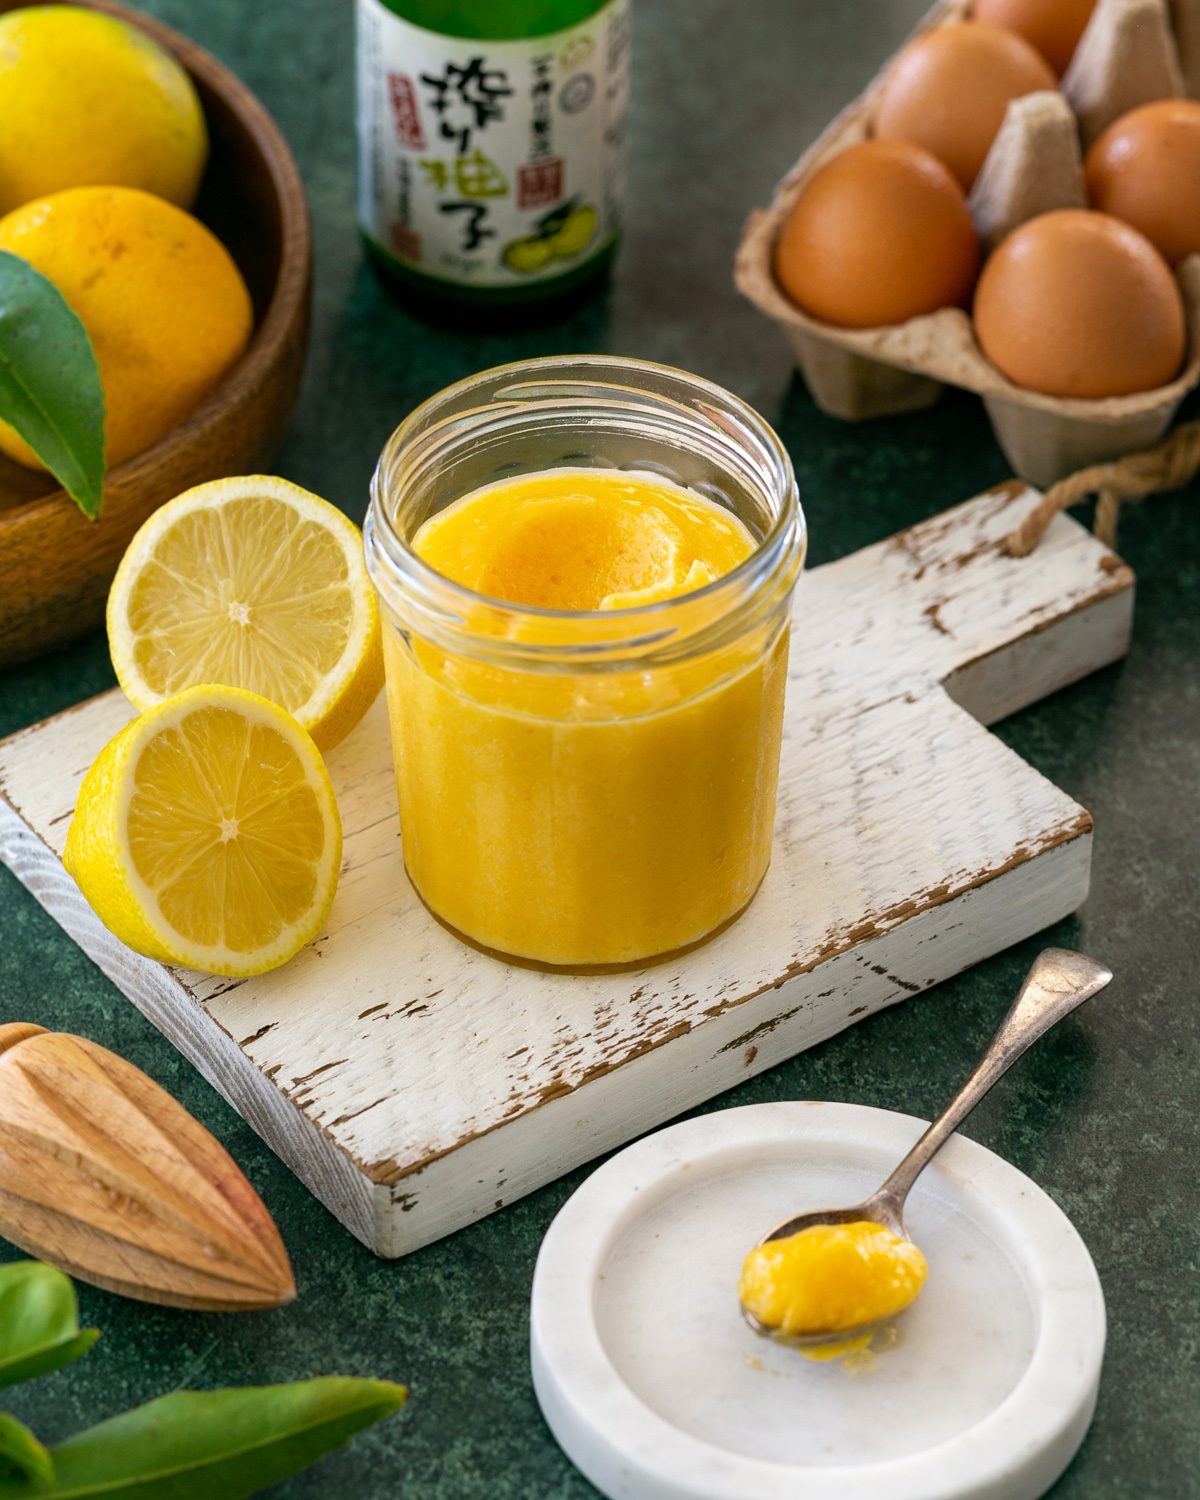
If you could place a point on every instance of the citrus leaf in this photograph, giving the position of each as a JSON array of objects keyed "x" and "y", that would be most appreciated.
[
  {"x": 50, "y": 389},
  {"x": 39, "y": 1322},
  {"x": 212, "y": 1445},
  {"x": 20, "y": 1450}
]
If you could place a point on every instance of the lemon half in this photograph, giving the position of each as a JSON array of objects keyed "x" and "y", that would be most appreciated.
[
  {"x": 206, "y": 834},
  {"x": 255, "y": 583}
]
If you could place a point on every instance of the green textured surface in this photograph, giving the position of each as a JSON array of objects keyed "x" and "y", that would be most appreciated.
[{"x": 1103, "y": 1114}]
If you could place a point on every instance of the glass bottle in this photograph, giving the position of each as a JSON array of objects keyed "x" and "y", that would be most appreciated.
[{"x": 491, "y": 145}]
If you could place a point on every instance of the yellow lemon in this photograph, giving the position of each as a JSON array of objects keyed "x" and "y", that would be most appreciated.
[
  {"x": 255, "y": 583},
  {"x": 206, "y": 834},
  {"x": 87, "y": 99},
  {"x": 165, "y": 307}
]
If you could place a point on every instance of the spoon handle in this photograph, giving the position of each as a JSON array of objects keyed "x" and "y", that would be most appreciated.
[{"x": 1058, "y": 981}]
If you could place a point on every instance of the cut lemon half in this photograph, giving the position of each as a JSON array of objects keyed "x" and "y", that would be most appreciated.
[
  {"x": 206, "y": 833},
  {"x": 257, "y": 584}
]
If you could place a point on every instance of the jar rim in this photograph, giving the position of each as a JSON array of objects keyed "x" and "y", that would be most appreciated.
[{"x": 785, "y": 538}]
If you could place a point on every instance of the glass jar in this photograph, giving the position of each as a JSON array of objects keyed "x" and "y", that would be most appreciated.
[{"x": 586, "y": 789}]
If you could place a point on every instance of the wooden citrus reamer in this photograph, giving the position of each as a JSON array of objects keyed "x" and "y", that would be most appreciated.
[{"x": 104, "y": 1175}]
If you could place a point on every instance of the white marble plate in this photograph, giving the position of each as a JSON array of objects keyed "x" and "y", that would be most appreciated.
[{"x": 657, "y": 1390}]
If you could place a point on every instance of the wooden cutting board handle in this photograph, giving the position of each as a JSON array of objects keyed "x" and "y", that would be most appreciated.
[{"x": 104, "y": 1175}]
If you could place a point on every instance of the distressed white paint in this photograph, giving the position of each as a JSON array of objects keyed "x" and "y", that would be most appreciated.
[{"x": 415, "y": 1085}]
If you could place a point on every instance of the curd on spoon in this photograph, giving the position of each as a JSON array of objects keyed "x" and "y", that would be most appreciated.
[
  {"x": 831, "y": 1278},
  {"x": 821, "y": 1277}
]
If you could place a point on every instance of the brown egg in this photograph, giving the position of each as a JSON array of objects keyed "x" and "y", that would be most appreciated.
[
  {"x": 1145, "y": 169},
  {"x": 879, "y": 235},
  {"x": 1076, "y": 303},
  {"x": 1052, "y": 26},
  {"x": 948, "y": 90}
]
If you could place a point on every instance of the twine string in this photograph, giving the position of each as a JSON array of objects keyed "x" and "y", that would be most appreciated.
[{"x": 1126, "y": 480}]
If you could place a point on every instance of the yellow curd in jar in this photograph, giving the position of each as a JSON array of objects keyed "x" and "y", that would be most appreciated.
[
  {"x": 585, "y": 819},
  {"x": 831, "y": 1278}
]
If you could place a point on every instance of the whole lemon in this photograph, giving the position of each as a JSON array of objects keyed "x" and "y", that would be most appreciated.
[
  {"x": 87, "y": 99},
  {"x": 165, "y": 307}
]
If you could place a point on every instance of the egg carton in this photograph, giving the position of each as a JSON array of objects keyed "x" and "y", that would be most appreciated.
[{"x": 1133, "y": 52}]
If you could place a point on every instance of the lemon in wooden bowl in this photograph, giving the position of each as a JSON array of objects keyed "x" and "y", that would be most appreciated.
[
  {"x": 165, "y": 307},
  {"x": 56, "y": 564},
  {"x": 86, "y": 98}
]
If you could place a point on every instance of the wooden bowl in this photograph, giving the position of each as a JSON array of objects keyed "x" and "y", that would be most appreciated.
[{"x": 55, "y": 565}]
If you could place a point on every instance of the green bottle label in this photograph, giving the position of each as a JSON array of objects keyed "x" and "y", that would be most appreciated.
[{"x": 491, "y": 163}]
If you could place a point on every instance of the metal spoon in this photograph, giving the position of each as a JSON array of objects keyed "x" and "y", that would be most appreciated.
[{"x": 1058, "y": 981}]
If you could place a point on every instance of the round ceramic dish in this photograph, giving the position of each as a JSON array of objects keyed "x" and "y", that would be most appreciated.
[{"x": 658, "y": 1390}]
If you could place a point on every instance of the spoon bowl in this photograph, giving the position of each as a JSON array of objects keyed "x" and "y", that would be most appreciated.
[
  {"x": 879, "y": 1208},
  {"x": 1058, "y": 981}
]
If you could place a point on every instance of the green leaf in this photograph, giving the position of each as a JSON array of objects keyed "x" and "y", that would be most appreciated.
[
  {"x": 50, "y": 388},
  {"x": 20, "y": 1450},
  {"x": 39, "y": 1322},
  {"x": 212, "y": 1445}
]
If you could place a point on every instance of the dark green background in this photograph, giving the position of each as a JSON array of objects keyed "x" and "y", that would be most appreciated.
[{"x": 1103, "y": 1114}]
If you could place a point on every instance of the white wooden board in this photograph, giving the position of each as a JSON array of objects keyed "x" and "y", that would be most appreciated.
[{"x": 416, "y": 1085}]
